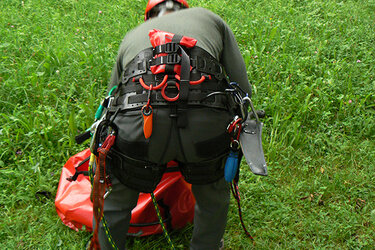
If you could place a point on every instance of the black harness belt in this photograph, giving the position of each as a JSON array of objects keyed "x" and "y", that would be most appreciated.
[
  {"x": 188, "y": 76},
  {"x": 144, "y": 176}
]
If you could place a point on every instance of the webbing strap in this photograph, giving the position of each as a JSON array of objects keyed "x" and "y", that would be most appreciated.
[
  {"x": 177, "y": 38},
  {"x": 193, "y": 97},
  {"x": 185, "y": 76},
  {"x": 184, "y": 88}
]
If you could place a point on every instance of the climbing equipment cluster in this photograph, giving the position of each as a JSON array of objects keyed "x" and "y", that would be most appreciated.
[
  {"x": 238, "y": 147},
  {"x": 101, "y": 186},
  {"x": 233, "y": 160}
]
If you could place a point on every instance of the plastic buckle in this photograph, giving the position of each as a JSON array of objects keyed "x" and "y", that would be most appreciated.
[
  {"x": 201, "y": 64},
  {"x": 171, "y": 47},
  {"x": 165, "y": 48},
  {"x": 173, "y": 59}
]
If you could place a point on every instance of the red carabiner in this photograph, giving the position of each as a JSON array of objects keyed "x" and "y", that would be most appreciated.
[
  {"x": 170, "y": 99},
  {"x": 202, "y": 79},
  {"x": 234, "y": 129}
]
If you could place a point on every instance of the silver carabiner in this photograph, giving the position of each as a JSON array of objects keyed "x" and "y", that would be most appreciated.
[
  {"x": 247, "y": 99},
  {"x": 110, "y": 102},
  {"x": 109, "y": 190}
]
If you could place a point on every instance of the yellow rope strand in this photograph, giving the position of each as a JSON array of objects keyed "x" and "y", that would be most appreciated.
[
  {"x": 105, "y": 225},
  {"x": 161, "y": 221}
]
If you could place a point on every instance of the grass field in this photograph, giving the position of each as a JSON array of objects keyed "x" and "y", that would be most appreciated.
[{"x": 311, "y": 64}]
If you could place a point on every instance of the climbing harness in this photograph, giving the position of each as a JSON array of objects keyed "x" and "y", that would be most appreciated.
[{"x": 173, "y": 73}]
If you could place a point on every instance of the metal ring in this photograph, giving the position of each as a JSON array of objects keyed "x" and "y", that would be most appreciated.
[
  {"x": 146, "y": 110},
  {"x": 234, "y": 144}
]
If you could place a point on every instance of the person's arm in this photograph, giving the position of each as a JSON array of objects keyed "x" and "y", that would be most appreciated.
[
  {"x": 116, "y": 73},
  {"x": 233, "y": 61}
]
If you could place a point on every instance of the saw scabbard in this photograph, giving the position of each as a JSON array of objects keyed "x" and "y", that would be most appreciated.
[
  {"x": 251, "y": 141},
  {"x": 251, "y": 145}
]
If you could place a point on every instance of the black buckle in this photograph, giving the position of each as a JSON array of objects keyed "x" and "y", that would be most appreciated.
[
  {"x": 201, "y": 64},
  {"x": 172, "y": 59},
  {"x": 168, "y": 59},
  {"x": 209, "y": 67},
  {"x": 171, "y": 47},
  {"x": 166, "y": 48}
]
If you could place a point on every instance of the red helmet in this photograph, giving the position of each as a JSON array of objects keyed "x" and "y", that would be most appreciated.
[{"x": 152, "y": 3}]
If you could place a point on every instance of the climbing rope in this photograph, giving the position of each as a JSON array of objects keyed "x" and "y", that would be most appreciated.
[
  {"x": 104, "y": 221},
  {"x": 165, "y": 232},
  {"x": 235, "y": 192}
]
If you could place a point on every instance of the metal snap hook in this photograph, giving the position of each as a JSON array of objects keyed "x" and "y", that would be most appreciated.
[{"x": 247, "y": 99}]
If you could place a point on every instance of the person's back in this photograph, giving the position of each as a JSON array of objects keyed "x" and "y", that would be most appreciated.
[
  {"x": 203, "y": 25},
  {"x": 210, "y": 31}
]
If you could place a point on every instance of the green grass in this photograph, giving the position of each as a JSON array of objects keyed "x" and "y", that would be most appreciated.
[{"x": 311, "y": 64}]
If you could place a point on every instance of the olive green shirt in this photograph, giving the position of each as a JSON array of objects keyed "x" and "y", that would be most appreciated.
[{"x": 211, "y": 32}]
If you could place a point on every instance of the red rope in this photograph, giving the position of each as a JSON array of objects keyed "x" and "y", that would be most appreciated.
[
  {"x": 99, "y": 187},
  {"x": 236, "y": 195}
]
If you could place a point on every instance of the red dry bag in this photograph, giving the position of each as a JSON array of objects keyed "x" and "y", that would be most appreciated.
[{"x": 173, "y": 194}]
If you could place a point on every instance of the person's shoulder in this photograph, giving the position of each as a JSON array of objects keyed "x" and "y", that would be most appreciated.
[{"x": 201, "y": 11}]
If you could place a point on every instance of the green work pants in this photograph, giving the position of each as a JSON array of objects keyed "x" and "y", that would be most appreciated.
[{"x": 212, "y": 201}]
